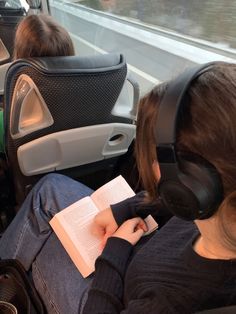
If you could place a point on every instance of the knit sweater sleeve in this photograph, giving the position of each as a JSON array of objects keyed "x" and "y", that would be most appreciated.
[
  {"x": 106, "y": 292},
  {"x": 136, "y": 207}
]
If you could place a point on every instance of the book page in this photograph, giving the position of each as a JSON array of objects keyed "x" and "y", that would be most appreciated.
[
  {"x": 151, "y": 223},
  {"x": 77, "y": 220},
  {"x": 112, "y": 192}
]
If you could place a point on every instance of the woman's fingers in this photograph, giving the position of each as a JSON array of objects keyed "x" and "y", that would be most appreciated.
[{"x": 131, "y": 230}]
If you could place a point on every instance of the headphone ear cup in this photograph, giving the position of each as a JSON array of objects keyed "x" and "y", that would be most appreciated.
[
  {"x": 179, "y": 198},
  {"x": 195, "y": 190}
]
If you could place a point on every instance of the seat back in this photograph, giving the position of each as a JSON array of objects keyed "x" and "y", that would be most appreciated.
[
  {"x": 220, "y": 310},
  {"x": 60, "y": 113},
  {"x": 9, "y": 18},
  {"x": 4, "y": 54},
  {"x": 3, "y": 69}
]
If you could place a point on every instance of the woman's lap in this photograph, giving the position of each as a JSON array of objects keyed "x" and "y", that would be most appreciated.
[
  {"x": 57, "y": 280},
  {"x": 29, "y": 238}
]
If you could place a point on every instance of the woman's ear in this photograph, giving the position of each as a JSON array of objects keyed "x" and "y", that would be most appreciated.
[{"x": 156, "y": 170}]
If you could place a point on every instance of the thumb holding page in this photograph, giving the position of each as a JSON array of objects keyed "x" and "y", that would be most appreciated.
[
  {"x": 104, "y": 225},
  {"x": 108, "y": 234}
]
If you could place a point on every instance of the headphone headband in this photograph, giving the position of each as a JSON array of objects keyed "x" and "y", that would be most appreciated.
[{"x": 171, "y": 104}]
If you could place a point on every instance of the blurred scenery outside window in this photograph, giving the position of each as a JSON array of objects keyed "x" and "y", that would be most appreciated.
[
  {"x": 10, "y": 4},
  {"x": 210, "y": 20}
]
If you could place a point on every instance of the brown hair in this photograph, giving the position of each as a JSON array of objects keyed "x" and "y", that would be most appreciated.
[
  {"x": 145, "y": 147},
  {"x": 207, "y": 127},
  {"x": 41, "y": 36}
]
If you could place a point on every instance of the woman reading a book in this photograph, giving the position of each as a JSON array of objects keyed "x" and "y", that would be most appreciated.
[{"x": 186, "y": 154}]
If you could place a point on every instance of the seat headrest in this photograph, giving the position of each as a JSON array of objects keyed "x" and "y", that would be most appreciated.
[{"x": 94, "y": 63}]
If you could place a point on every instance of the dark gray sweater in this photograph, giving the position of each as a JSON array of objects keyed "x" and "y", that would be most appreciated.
[{"x": 164, "y": 276}]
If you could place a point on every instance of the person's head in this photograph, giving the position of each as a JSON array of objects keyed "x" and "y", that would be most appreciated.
[
  {"x": 207, "y": 127},
  {"x": 41, "y": 36}
]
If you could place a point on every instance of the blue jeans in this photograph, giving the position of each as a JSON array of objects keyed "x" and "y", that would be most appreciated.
[{"x": 30, "y": 239}]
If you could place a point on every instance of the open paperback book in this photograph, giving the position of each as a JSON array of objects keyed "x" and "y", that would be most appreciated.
[{"x": 73, "y": 225}]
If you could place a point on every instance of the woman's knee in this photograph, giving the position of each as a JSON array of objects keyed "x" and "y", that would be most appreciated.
[{"x": 55, "y": 191}]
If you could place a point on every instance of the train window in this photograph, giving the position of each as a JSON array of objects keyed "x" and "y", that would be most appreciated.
[
  {"x": 13, "y": 4},
  {"x": 158, "y": 38}
]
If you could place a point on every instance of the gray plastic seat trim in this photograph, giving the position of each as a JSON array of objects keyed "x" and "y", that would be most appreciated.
[{"x": 75, "y": 147}]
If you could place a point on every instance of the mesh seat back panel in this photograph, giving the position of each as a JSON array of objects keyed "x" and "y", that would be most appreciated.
[{"x": 73, "y": 100}]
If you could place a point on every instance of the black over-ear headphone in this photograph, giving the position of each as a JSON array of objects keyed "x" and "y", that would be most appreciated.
[{"x": 189, "y": 186}]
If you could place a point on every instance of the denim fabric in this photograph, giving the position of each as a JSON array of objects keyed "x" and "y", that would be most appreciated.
[{"x": 29, "y": 239}]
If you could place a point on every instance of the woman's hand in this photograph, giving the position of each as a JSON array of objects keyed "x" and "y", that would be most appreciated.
[
  {"x": 131, "y": 230},
  {"x": 104, "y": 225}
]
